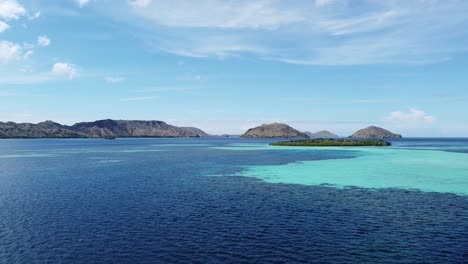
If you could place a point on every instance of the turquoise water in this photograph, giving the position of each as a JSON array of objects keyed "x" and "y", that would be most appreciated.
[{"x": 425, "y": 170}]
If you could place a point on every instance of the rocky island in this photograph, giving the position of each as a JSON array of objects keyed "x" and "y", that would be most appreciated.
[
  {"x": 322, "y": 134},
  {"x": 374, "y": 132},
  {"x": 136, "y": 128},
  {"x": 98, "y": 129},
  {"x": 274, "y": 130},
  {"x": 334, "y": 143},
  {"x": 47, "y": 129}
]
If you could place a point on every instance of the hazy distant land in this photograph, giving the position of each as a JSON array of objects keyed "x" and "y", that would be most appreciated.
[
  {"x": 322, "y": 134},
  {"x": 109, "y": 128},
  {"x": 99, "y": 129}
]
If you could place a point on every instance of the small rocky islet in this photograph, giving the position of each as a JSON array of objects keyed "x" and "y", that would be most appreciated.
[
  {"x": 274, "y": 130},
  {"x": 374, "y": 132}
]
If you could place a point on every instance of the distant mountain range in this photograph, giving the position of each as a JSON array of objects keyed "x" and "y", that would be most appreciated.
[
  {"x": 109, "y": 128},
  {"x": 279, "y": 130},
  {"x": 98, "y": 129}
]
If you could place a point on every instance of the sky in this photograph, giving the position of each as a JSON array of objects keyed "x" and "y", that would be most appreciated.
[{"x": 228, "y": 65}]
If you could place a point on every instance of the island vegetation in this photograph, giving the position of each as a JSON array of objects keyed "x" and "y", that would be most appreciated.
[{"x": 322, "y": 142}]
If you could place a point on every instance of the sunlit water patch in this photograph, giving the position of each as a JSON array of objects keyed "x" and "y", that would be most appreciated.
[
  {"x": 247, "y": 147},
  {"x": 27, "y": 155},
  {"x": 108, "y": 161},
  {"x": 430, "y": 171},
  {"x": 167, "y": 145}
]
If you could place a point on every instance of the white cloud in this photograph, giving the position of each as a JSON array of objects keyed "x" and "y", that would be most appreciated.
[
  {"x": 140, "y": 3},
  {"x": 43, "y": 41},
  {"x": 11, "y": 9},
  {"x": 9, "y": 51},
  {"x": 412, "y": 118},
  {"x": 115, "y": 79},
  {"x": 82, "y": 3},
  {"x": 64, "y": 69},
  {"x": 3, "y": 26}
]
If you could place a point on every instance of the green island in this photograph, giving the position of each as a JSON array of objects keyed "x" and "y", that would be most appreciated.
[{"x": 334, "y": 143}]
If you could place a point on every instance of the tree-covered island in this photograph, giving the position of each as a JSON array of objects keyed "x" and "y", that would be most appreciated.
[{"x": 334, "y": 143}]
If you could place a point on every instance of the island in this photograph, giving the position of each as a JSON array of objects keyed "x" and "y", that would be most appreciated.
[
  {"x": 105, "y": 129},
  {"x": 374, "y": 132},
  {"x": 327, "y": 142},
  {"x": 322, "y": 134},
  {"x": 274, "y": 130}
]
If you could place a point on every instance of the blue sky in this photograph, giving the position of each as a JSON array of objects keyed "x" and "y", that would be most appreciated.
[{"x": 225, "y": 66}]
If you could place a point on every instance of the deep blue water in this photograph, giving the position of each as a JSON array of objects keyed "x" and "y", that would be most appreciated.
[{"x": 156, "y": 201}]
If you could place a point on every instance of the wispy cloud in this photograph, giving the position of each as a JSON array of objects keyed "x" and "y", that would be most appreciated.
[
  {"x": 322, "y": 3},
  {"x": 166, "y": 89},
  {"x": 82, "y": 3},
  {"x": 414, "y": 118},
  {"x": 140, "y": 98},
  {"x": 140, "y": 3},
  {"x": 361, "y": 24},
  {"x": 321, "y": 32},
  {"x": 115, "y": 79},
  {"x": 28, "y": 78},
  {"x": 221, "y": 45},
  {"x": 18, "y": 94},
  {"x": 329, "y": 101},
  {"x": 34, "y": 15},
  {"x": 228, "y": 14},
  {"x": 22, "y": 116}
]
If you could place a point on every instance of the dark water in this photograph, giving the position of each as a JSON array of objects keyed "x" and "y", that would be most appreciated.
[{"x": 153, "y": 201}]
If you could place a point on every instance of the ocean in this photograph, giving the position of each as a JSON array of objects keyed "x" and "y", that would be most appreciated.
[{"x": 231, "y": 200}]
